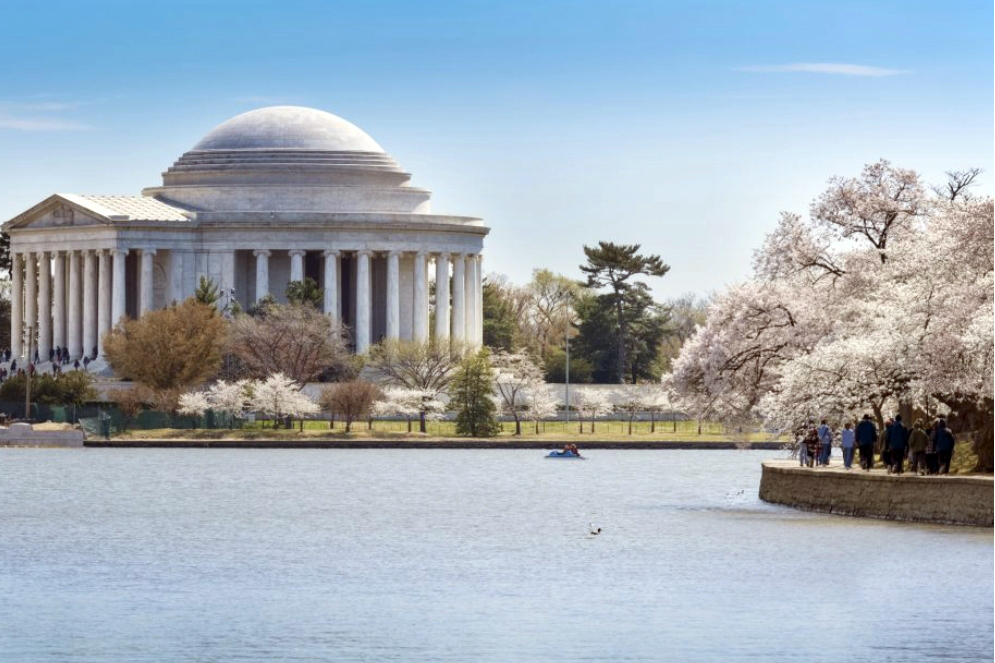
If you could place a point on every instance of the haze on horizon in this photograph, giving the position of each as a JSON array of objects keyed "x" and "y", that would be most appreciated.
[{"x": 686, "y": 129}]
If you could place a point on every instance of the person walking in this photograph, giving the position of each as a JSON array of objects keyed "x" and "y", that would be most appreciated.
[
  {"x": 917, "y": 448},
  {"x": 867, "y": 435},
  {"x": 931, "y": 465},
  {"x": 944, "y": 441},
  {"x": 847, "y": 443},
  {"x": 825, "y": 442},
  {"x": 897, "y": 440},
  {"x": 883, "y": 444}
]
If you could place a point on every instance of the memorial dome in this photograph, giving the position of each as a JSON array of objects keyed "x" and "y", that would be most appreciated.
[
  {"x": 288, "y": 128},
  {"x": 287, "y": 147}
]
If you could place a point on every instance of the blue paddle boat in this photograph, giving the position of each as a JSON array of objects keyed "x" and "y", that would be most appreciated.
[{"x": 565, "y": 455}]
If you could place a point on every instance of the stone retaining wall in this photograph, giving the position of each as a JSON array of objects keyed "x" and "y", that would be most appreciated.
[
  {"x": 949, "y": 499},
  {"x": 23, "y": 434}
]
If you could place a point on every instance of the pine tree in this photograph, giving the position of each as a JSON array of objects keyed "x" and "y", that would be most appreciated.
[{"x": 471, "y": 397}]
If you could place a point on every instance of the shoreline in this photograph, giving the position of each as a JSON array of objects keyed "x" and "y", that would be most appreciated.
[
  {"x": 948, "y": 499},
  {"x": 432, "y": 443}
]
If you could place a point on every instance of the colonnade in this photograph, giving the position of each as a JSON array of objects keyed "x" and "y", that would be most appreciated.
[{"x": 71, "y": 298}]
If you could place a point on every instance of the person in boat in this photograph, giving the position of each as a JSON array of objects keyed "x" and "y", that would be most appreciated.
[{"x": 572, "y": 448}]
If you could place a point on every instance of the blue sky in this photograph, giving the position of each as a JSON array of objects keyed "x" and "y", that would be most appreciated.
[{"x": 682, "y": 126}]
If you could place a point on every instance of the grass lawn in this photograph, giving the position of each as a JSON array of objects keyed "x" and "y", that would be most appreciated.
[{"x": 551, "y": 430}]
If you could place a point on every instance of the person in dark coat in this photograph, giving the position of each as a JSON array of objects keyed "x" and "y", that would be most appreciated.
[
  {"x": 917, "y": 449},
  {"x": 898, "y": 438},
  {"x": 943, "y": 440},
  {"x": 867, "y": 435},
  {"x": 883, "y": 444},
  {"x": 931, "y": 465}
]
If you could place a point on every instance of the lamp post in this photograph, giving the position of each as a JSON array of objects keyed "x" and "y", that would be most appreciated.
[
  {"x": 27, "y": 377},
  {"x": 566, "y": 391},
  {"x": 229, "y": 296}
]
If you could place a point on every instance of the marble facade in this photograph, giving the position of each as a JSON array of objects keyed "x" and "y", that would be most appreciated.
[{"x": 268, "y": 197}]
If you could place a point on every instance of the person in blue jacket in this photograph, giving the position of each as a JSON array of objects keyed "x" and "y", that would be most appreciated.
[
  {"x": 825, "y": 442},
  {"x": 867, "y": 435},
  {"x": 898, "y": 438},
  {"x": 943, "y": 441}
]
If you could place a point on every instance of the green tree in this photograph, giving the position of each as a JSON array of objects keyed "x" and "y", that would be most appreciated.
[
  {"x": 170, "y": 348},
  {"x": 597, "y": 341},
  {"x": 69, "y": 388},
  {"x": 305, "y": 292},
  {"x": 470, "y": 396},
  {"x": 207, "y": 291},
  {"x": 500, "y": 321},
  {"x": 614, "y": 266}
]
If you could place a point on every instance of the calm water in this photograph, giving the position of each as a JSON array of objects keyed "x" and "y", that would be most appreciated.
[{"x": 414, "y": 555}]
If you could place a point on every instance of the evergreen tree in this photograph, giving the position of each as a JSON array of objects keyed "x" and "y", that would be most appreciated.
[
  {"x": 207, "y": 291},
  {"x": 471, "y": 397},
  {"x": 305, "y": 292},
  {"x": 500, "y": 325},
  {"x": 614, "y": 266}
]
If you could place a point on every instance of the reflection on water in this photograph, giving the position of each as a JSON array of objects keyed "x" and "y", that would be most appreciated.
[{"x": 453, "y": 555}]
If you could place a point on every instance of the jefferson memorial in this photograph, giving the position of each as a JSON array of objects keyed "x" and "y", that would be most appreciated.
[{"x": 271, "y": 196}]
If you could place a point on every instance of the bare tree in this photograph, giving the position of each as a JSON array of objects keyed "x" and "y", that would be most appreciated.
[
  {"x": 294, "y": 339},
  {"x": 350, "y": 400}
]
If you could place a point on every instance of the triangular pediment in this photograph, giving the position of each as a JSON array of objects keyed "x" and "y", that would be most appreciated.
[{"x": 57, "y": 211}]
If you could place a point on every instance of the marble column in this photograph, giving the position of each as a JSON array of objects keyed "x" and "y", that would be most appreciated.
[
  {"x": 177, "y": 268},
  {"x": 74, "y": 320},
  {"x": 16, "y": 305},
  {"x": 44, "y": 305},
  {"x": 363, "y": 302},
  {"x": 478, "y": 307},
  {"x": 297, "y": 264},
  {"x": 59, "y": 305},
  {"x": 118, "y": 299},
  {"x": 442, "y": 297},
  {"x": 89, "y": 302},
  {"x": 146, "y": 292},
  {"x": 103, "y": 297},
  {"x": 30, "y": 297},
  {"x": 470, "y": 291},
  {"x": 421, "y": 299},
  {"x": 228, "y": 275},
  {"x": 332, "y": 284},
  {"x": 393, "y": 295},
  {"x": 459, "y": 299},
  {"x": 262, "y": 272}
]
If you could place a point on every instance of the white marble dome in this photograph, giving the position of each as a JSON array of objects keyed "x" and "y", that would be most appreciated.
[
  {"x": 288, "y": 128},
  {"x": 290, "y": 158}
]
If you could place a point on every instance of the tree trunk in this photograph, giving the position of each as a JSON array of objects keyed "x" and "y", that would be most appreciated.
[
  {"x": 421, "y": 422},
  {"x": 518, "y": 426}
]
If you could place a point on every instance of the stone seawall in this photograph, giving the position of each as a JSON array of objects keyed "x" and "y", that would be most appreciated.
[{"x": 948, "y": 499}]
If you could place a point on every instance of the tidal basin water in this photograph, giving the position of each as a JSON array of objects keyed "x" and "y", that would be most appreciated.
[{"x": 448, "y": 555}]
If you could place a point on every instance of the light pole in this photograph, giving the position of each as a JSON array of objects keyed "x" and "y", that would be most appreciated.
[
  {"x": 27, "y": 377},
  {"x": 566, "y": 391}
]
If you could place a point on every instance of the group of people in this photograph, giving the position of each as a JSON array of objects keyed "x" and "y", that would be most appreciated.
[
  {"x": 57, "y": 356},
  {"x": 929, "y": 449}
]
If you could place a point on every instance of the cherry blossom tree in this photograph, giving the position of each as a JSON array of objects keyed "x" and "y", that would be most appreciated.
[
  {"x": 279, "y": 397},
  {"x": 409, "y": 404},
  {"x": 591, "y": 403},
  {"x": 541, "y": 403},
  {"x": 881, "y": 302},
  {"x": 515, "y": 374}
]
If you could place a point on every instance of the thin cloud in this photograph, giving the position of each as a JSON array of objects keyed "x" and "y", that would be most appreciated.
[
  {"x": 41, "y": 124},
  {"x": 826, "y": 68},
  {"x": 38, "y": 116}
]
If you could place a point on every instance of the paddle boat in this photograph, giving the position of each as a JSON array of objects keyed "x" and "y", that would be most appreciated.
[{"x": 566, "y": 455}]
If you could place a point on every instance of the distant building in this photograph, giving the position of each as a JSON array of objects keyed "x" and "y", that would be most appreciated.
[{"x": 268, "y": 197}]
